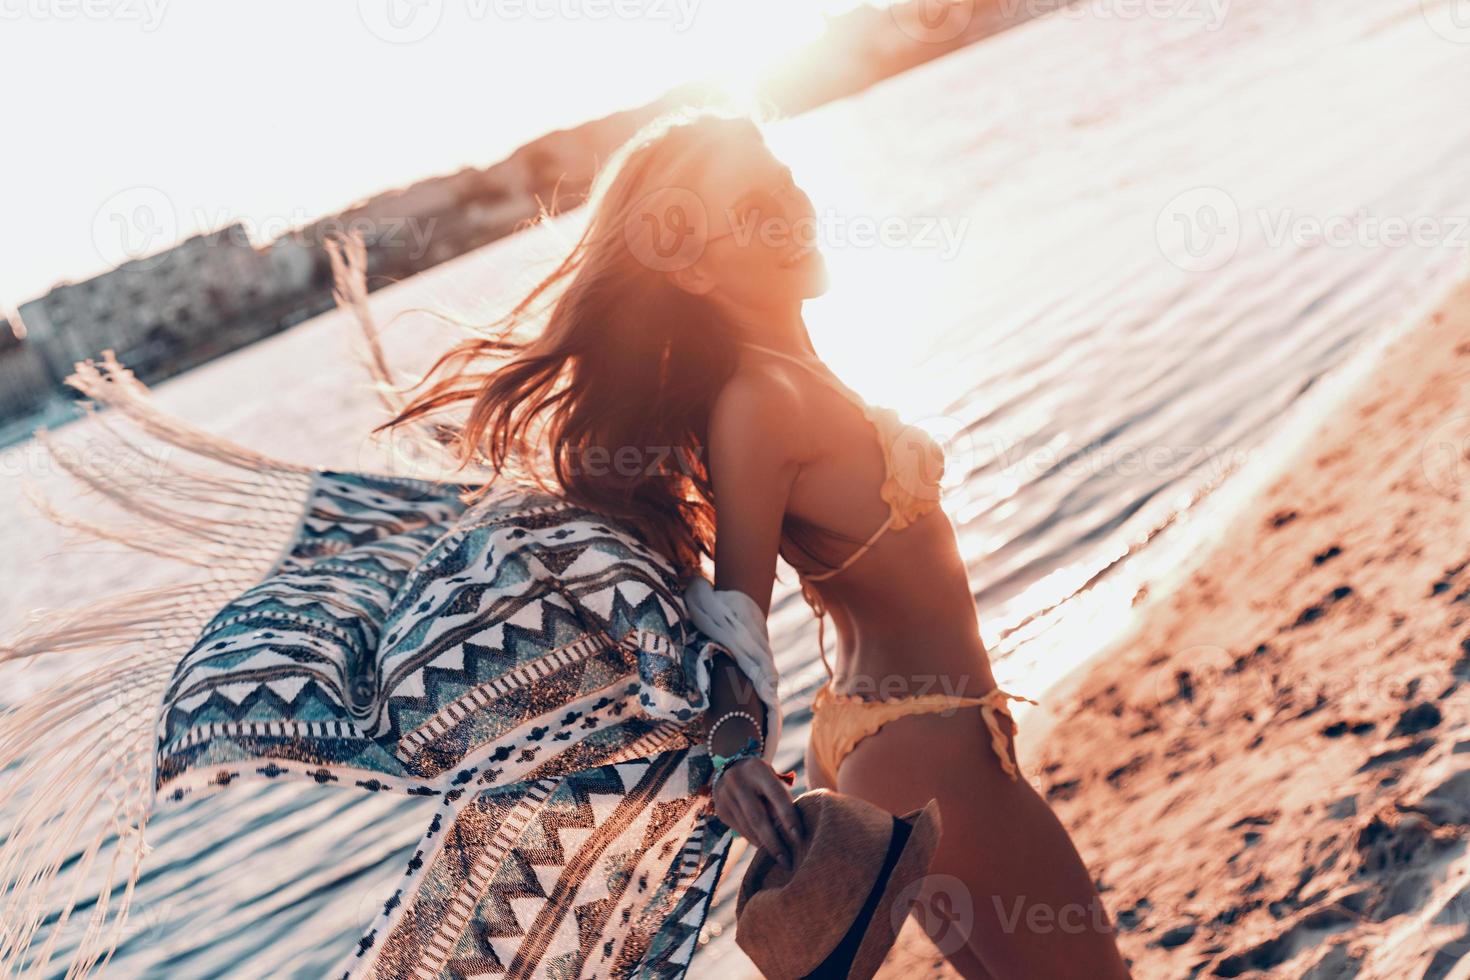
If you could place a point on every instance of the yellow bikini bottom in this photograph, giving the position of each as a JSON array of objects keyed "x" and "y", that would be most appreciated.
[{"x": 841, "y": 721}]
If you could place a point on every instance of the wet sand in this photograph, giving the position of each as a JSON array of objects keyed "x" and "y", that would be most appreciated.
[{"x": 1270, "y": 775}]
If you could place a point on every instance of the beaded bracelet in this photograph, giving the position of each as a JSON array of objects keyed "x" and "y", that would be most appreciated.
[
  {"x": 750, "y": 750},
  {"x": 710, "y": 739}
]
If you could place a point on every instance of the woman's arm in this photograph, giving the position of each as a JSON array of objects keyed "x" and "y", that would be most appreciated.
[{"x": 754, "y": 457}]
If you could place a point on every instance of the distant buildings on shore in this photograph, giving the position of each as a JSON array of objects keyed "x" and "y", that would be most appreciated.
[
  {"x": 165, "y": 313},
  {"x": 216, "y": 292},
  {"x": 25, "y": 380}
]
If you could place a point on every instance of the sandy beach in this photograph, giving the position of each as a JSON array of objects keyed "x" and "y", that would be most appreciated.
[{"x": 1270, "y": 776}]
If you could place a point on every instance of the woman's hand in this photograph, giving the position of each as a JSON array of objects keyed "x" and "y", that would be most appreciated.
[{"x": 752, "y": 799}]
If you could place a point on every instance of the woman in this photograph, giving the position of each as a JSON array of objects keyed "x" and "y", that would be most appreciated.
[{"x": 675, "y": 387}]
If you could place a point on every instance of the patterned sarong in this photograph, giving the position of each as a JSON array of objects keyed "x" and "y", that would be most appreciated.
[{"x": 525, "y": 662}]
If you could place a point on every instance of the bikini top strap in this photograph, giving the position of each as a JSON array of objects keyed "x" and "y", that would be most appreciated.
[
  {"x": 861, "y": 550},
  {"x": 830, "y": 380}
]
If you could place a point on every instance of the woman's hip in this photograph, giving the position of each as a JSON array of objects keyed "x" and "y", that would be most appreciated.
[{"x": 842, "y": 722}]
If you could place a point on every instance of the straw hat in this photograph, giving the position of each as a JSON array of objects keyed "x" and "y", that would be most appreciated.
[{"x": 834, "y": 914}]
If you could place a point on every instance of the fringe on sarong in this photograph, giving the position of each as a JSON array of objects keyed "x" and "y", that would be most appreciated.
[{"x": 79, "y": 754}]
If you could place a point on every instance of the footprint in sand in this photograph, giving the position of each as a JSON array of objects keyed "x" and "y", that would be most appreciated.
[{"x": 1318, "y": 610}]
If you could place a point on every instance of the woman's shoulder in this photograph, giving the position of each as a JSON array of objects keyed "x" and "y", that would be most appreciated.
[
  {"x": 758, "y": 387},
  {"x": 759, "y": 398}
]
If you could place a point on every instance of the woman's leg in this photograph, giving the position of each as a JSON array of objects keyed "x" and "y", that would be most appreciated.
[
  {"x": 817, "y": 777},
  {"x": 958, "y": 954},
  {"x": 1007, "y": 886}
]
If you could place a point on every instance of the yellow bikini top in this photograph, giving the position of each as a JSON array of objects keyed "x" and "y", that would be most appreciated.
[{"x": 913, "y": 462}]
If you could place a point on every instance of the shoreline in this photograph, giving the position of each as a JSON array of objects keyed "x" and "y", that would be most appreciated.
[
  {"x": 1269, "y": 770},
  {"x": 1219, "y": 514}
]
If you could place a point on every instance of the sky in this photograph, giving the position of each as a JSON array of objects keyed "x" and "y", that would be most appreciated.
[{"x": 275, "y": 112}]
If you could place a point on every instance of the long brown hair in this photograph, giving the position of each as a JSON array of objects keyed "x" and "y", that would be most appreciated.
[{"x": 609, "y": 404}]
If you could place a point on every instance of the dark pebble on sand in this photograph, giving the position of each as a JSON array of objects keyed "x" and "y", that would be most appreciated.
[
  {"x": 1063, "y": 791},
  {"x": 1307, "y": 615},
  {"x": 1340, "y": 728},
  {"x": 1420, "y": 718},
  {"x": 1418, "y": 747},
  {"x": 1177, "y": 936},
  {"x": 1315, "y": 612}
]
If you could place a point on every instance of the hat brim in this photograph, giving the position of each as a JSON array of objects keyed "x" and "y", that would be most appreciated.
[{"x": 912, "y": 865}]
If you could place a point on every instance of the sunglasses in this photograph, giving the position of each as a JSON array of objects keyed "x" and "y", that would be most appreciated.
[{"x": 759, "y": 204}]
